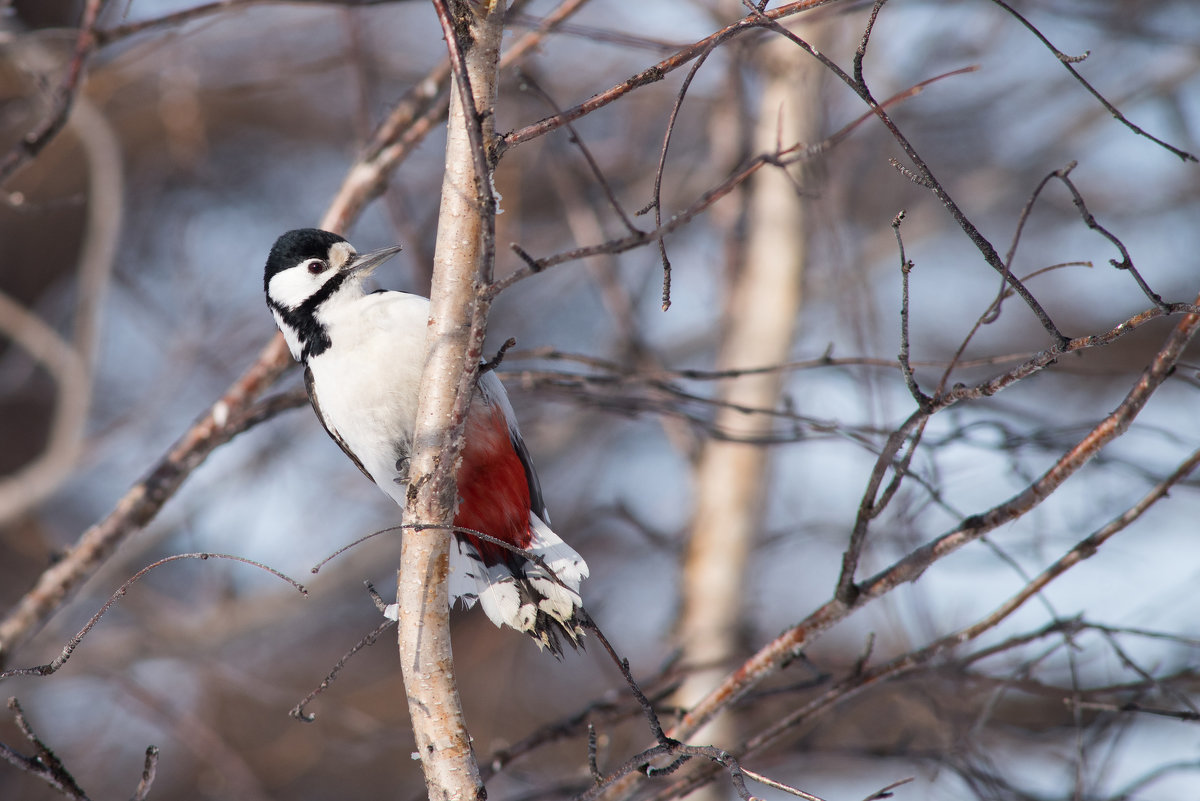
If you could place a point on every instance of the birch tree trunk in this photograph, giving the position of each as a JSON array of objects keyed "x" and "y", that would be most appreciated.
[
  {"x": 761, "y": 314},
  {"x": 458, "y": 318}
]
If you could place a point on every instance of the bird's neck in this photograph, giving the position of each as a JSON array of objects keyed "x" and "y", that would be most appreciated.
[{"x": 316, "y": 337}]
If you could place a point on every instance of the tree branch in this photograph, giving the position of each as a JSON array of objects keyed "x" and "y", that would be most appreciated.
[
  {"x": 64, "y": 96},
  {"x": 233, "y": 413},
  {"x": 914, "y": 564},
  {"x": 786, "y": 646},
  {"x": 463, "y": 260}
]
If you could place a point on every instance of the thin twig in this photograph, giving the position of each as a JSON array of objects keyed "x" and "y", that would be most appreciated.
[
  {"x": 869, "y": 507},
  {"x": 654, "y": 73},
  {"x": 370, "y": 639},
  {"x": 1081, "y": 551},
  {"x": 494, "y": 362},
  {"x": 632, "y": 241},
  {"x": 119, "y": 593},
  {"x": 782, "y": 157},
  {"x": 149, "y": 771},
  {"x": 787, "y": 788},
  {"x": 768, "y": 659},
  {"x": 44, "y": 764},
  {"x": 623, "y": 665},
  {"x": 64, "y": 96},
  {"x": 529, "y": 84},
  {"x": 656, "y": 200},
  {"x": 599, "y": 711},
  {"x": 186, "y": 15},
  {"x": 420, "y": 112},
  {"x": 593, "y": 768},
  {"x": 925, "y": 173},
  {"x": 229, "y": 416},
  {"x": 906, "y": 370},
  {"x": 1068, "y": 63},
  {"x": 1126, "y": 262}
]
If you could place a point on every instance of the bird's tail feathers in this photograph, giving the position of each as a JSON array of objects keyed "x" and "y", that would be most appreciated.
[{"x": 537, "y": 596}]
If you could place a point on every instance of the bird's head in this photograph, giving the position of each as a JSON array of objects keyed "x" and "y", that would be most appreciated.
[{"x": 307, "y": 269}]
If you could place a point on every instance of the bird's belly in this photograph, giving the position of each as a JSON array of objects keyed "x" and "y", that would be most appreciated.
[{"x": 371, "y": 405}]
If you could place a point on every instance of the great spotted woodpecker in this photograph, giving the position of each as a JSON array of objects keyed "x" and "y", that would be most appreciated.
[{"x": 363, "y": 354}]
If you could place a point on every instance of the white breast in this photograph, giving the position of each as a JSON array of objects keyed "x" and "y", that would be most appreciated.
[{"x": 367, "y": 381}]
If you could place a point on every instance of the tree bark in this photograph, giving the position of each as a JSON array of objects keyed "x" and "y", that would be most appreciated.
[{"x": 458, "y": 316}]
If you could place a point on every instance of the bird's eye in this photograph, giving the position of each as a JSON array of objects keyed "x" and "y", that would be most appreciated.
[{"x": 316, "y": 266}]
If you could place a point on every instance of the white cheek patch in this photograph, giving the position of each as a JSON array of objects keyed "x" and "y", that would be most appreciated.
[
  {"x": 291, "y": 288},
  {"x": 341, "y": 254}
]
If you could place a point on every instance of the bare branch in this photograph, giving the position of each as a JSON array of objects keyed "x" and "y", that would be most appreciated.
[
  {"x": 922, "y": 656},
  {"x": 1069, "y": 62},
  {"x": 44, "y": 763},
  {"x": 906, "y": 370},
  {"x": 463, "y": 263},
  {"x": 529, "y": 84},
  {"x": 233, "y": 413},
  {"x": 64, "y": 96},
  {"x": 119, "y": 593},
  {"x": 237, "y": 410},
  {"x": 655, "y": 73},
  {"x": 780, "y": 157},
  {"x": 418, "y": 113},
  {"x": 370, "y": 639},
  {"x": 775, "y": 653},
  {"x": 186, "y": 15},
  {"x": 149, "y": 771},
  {"x": 924, "y": 174},
  {"x": 656, "y": 199}
]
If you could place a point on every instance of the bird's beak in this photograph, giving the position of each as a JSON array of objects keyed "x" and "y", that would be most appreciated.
[{"x": 367, "y": 262}]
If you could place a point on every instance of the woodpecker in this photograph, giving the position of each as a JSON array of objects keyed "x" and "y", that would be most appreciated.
[{"x": 363, "y": 354}]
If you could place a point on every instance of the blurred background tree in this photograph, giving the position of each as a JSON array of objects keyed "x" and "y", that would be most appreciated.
[{"x": 714, "y": 462}]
